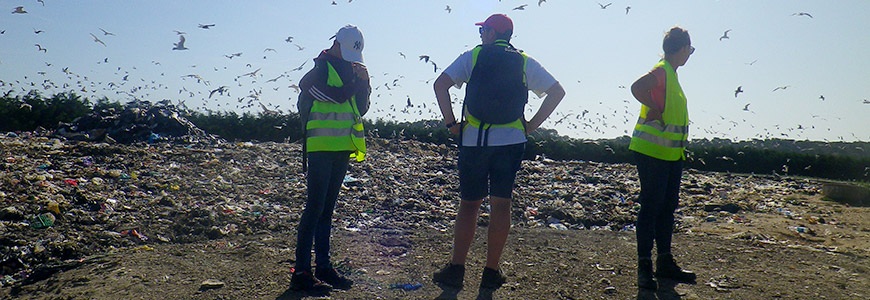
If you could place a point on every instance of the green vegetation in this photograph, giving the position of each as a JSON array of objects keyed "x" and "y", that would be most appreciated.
[{"x": 837, "y": 160}]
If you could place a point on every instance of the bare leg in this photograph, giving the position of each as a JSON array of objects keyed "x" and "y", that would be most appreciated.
[
  {"x": 466, "y": 223},
  {"x": 499, "y": 227}
]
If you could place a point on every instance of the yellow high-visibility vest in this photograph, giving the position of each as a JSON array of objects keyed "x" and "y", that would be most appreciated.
[
  {"x": 664, "y": 141},
  {"x": 336, "y": 126}
]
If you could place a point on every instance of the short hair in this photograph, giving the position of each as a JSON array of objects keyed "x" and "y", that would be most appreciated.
[
  {"x": 675, "y": 39},
  {"x": 504, "y": 35}
]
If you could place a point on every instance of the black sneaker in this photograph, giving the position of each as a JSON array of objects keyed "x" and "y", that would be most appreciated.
[
  {"x": 666, "y": 267},
  {"x": 489, "y": 282},
  {"x": 303, "y": 280},
  {"x": 450, "y": 276},
  {"x": 645, "y": 278},
  {"x": 492, "y": 279},
  {"x": 331, "y": 276}
]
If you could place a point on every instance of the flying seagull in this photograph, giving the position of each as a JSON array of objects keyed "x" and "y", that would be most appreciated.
[
  {"x": 802, "y": 14},
  {"x": 822, "y": 97},
  {"x": 97, "y": 39},
  {"x": 738, "y": 91},
  {"x": 746, "y": 107},
  {"x": 725, "y": 35},
  {"x": 299, "y": 68},
  {"x": 40, "y": 48},
  {"x": 781, "y": 88},
  {"x": 521, "y": 7},
  {"x": 604, "y": 6},
  {"x": 19, "y": 10},
  {"x": 289, "y": 39},
  {"x": 180, "y": 44},
  {"x": 541, "y": 2},
  {"x": 206, "y": 26},
  {"x": 106, "y": 32},
  {"x": 627, "y": 8},
  {"x": 448, "y": 9}
]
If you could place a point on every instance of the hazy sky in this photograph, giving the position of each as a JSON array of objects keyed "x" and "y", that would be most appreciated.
[{"x": 593, "y": 52}]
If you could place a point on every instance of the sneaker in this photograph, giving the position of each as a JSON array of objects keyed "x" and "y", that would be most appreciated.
[
  {"x": 645, "y": 279},
  {"x": 333, "y": 278},
  {"x": 666, "y": 267},
  {"x": 492, "y": 279},
  {"x": 450, "y": 276},
  {"x": 303, "y": 280}
]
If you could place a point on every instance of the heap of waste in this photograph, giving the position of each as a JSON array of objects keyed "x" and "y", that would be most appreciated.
[
  {"x": 65, "y": 200},
  {"x": 138, "y": 121}
]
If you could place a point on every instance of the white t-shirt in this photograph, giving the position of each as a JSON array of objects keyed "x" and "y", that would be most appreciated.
[{"x": 538, "y": 80}]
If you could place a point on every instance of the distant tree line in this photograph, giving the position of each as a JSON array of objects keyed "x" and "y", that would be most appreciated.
[{"x": 838, "y": 160}]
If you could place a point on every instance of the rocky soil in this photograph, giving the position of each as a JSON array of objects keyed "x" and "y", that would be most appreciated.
[{"x": 216, "y": 220}]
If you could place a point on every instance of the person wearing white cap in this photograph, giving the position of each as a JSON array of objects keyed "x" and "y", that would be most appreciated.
[{"x": 334, "y": 97}]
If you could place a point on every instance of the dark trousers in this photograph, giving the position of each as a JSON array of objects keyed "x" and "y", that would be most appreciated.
[
  {"x": 659, "y": 196},
  {"x": 326, "y": 172}
]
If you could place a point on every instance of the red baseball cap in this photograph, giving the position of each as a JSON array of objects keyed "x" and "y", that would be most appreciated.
[{"x": 498, "y": 22}]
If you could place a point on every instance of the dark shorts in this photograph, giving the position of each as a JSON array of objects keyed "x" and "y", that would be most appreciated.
[{"x": 492, "y": 167}]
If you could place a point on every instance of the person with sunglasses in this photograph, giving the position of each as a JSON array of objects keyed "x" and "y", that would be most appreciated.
[
  {"x": 492, "y": 138},
  {"x": 659, "y": 143}
]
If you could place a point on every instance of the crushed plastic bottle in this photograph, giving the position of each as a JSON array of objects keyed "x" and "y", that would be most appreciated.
[
  {"x": 42, "y": 221},
  {"x": 407, "y": 286}
]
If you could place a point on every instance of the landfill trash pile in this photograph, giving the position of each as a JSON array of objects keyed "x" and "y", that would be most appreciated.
[
  {"x": 139, "y": 121},
  {"x": 65, "y": 200}
]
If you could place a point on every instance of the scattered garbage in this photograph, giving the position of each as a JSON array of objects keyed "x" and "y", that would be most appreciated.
[{"x": 98, "y": 195}]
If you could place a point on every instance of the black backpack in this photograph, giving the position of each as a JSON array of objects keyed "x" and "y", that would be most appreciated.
[{"x": 497, "y": 92}]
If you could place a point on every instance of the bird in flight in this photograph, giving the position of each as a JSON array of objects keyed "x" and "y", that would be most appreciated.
[
  {"x": 402, "y": 54},
  {"x": 752, "y": 63},
  {"x": 299, "y": 68},
  {"x": 725, "y": 35},
  {"x": 424, "y": 58},
  {"x": 866, "y": 101},
  {"x": 738, "y": 91},
  {"x": 206, "y": 26},
  {"x": 746, "y": 107},
  {"x": 233, "y": 55},
  {"x": 106, "y": 32},
  {"x": 521, "y": 7},
  {"x": 627, "y": 8},
  {"x": 19, "y": 10},
  {"x": 180, "y": 44},
  {"x": 781, "y": 88},
  {"x": 541, "y": 2},
  {"x": 289, "y": 39},
  {"x": 299, "y": 47},
  {"x": 39, "y": 48},
  {"x": 802, "y": 14},
  {"x": 822, "y": 97},
  {"x": 221, "y": 90},
  {"x": 604, "y": 6},
  {"x": 179, "y": 32},
  {"x": 38, "y": 31},
  {"x": 448, "y": 9},
  {"x": 97, "y": 39}
]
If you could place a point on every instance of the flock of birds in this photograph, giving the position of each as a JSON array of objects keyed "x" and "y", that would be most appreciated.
[{"x": 197, "y": 87}]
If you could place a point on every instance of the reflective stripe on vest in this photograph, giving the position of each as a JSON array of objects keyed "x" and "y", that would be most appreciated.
[
  {"x": 335, "y": 126},
  {"x": 666, "y": 141},
  {"x": 473, "y": 122}
]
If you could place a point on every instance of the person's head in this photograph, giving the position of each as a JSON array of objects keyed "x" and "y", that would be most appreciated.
[
  {"x": 677, "y": 46},
  {"x": 349, "y": 44},
  {"x": 496, "y": 27}
]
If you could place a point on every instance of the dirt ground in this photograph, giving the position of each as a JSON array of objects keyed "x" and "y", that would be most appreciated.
[
  {"x": 541, "y": 263},
  {"x": 168, "y": 221}
]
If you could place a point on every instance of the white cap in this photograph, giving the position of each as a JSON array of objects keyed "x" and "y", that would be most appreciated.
[{"x": 351, "y": 41}]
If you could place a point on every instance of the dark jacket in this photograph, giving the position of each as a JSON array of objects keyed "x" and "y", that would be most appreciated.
[{"x": 314, "y": 87}]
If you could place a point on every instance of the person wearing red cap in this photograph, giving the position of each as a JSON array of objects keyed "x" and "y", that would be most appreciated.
[{"x": 492, "y": 139}]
